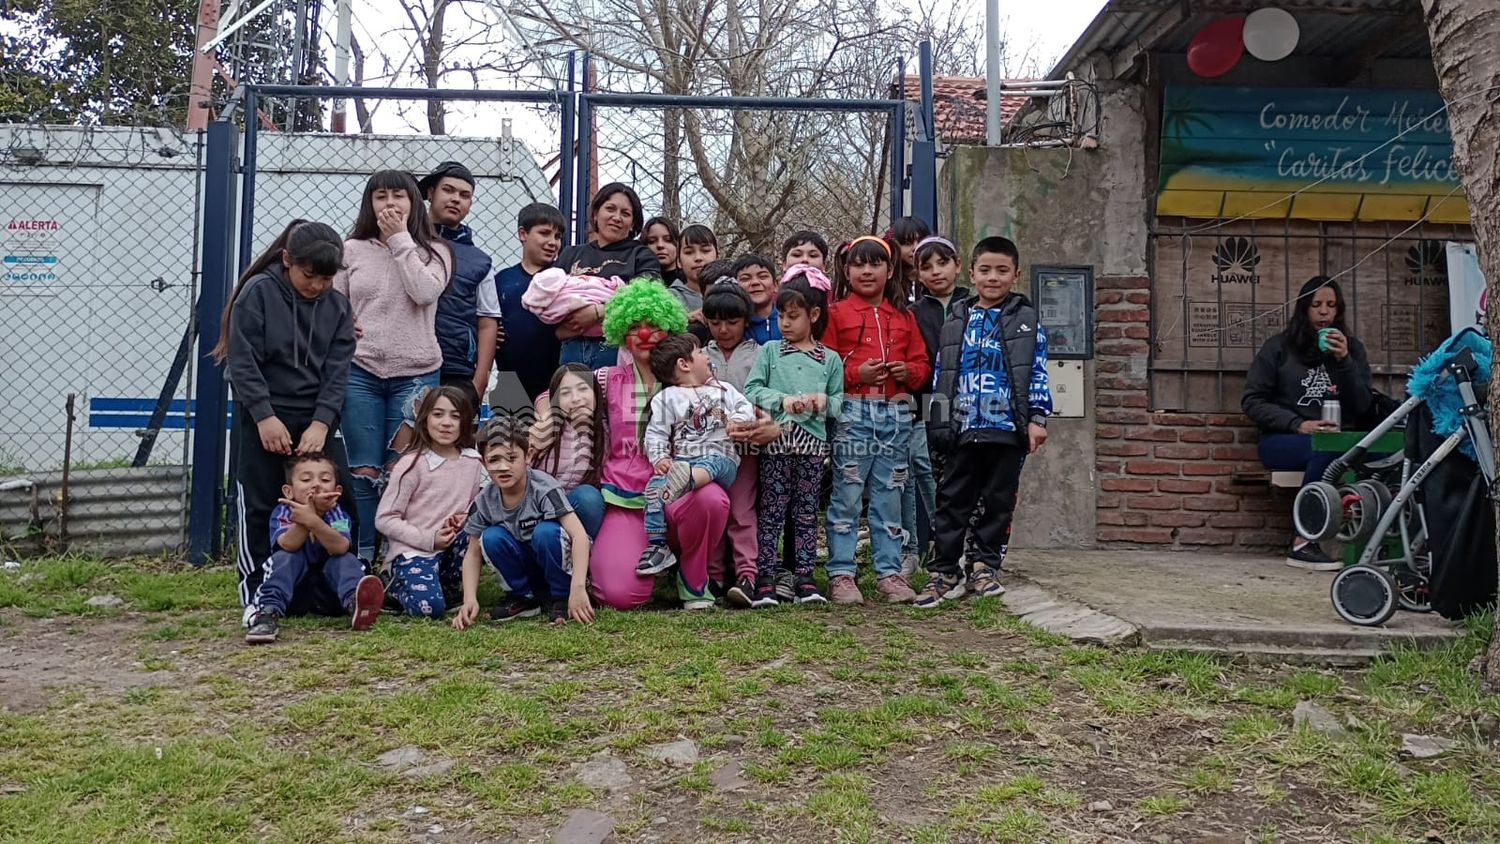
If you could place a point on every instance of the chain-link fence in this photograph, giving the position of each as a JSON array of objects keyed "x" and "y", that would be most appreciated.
[
  {"x": 756, "y": 174},
  {"x": 99, "y": 239}
]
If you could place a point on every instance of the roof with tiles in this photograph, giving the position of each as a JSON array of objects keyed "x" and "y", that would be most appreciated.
[{"x": 958, "y": 106}]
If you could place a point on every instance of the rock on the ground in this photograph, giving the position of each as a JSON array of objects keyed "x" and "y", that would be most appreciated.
[
  {"x": 399, "y": 759},
  {"x": 681, "y": 753},
  {"x": 584, "y": 826},
  {"x": 1101, "y": 806},
  {"x": 1424, "y": 747},
  {"x": 105, "y": 602},
  {"x": 604, "y": 770},
  {"x": 432, "y": 770},
  {"x": 415, "y": 812},
  {"x": 731, "y": 777},
  {"x": 1316, "y": 718}
]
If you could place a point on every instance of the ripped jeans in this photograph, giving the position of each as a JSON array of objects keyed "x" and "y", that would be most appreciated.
[
  {"x": 869, "y": 452},
  {"x": 374, "y": 410}
]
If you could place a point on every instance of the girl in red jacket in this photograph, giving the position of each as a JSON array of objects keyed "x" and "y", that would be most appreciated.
[{"x": 885, "y": 360}]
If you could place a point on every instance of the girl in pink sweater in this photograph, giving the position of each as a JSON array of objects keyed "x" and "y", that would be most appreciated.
[
  {"x": 422, "y": 512},
  {"x": 395, "y": 268}
]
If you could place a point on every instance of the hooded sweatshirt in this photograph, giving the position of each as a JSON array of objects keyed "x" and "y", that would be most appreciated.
[
  {"x": 287, "y": 353},
  {"x": 1282, "y": 391},
  {"x": 627, "y": 259}
]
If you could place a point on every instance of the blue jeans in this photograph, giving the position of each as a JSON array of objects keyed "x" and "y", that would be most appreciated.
[
  {"x": 286, "y": 589},
  {"x": 422, "y": 584},
  {"x": 592, "y": 352},
  {"x": 588, "y": 506},
  {"x": 374, "y": 409},
  {"x": 1293, "y": 453},
  {"x": 537, "y": 569},
  {"x": 924, "y": 484},
  {"x": 869, "y": 454},
  {"x": 720, "y": 469}
]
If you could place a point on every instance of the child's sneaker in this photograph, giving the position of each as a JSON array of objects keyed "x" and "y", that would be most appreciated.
[
  {"x": 655, "y": 559},
  {"x": 786, "y": 586},
  {"x": 516, "y": 606},
  {"x": 765, "y": 593},
  {"x": 844, "y": 590},
  {"x": 679, "y": 481},
  {"x": 263, "y": 629},
  {"x": 704, "y": 603},
  {"x": 939, "y": 588},
  {"x": 369, "y": 597},
  {"x": 742, "y": 594},
  {"x": 807, "y": 592},
  {"x": 557, "y": 611},
  {"x": 895, "y": 589},
  {"x": 909, "y": 562},
  {"x": 984, "y": 582}
]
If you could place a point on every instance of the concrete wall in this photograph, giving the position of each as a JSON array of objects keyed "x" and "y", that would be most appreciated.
[{"x": 1081, "y": 207}]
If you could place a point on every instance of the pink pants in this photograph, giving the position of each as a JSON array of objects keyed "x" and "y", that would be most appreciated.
[
  {"x": 741, "y": 540},
  {"x": 694, "y": 523}
]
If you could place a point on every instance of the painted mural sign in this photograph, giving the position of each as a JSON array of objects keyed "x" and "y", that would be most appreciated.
[{"x": 1374, "y": 154}]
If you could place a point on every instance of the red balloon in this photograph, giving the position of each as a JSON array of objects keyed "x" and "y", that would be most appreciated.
[{"x": 1217, "y": 48}]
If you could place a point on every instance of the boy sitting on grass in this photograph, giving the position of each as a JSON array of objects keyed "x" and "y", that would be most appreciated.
[
  {"x": 310, "y": 536},
  {"x": 524, "y": 526}
]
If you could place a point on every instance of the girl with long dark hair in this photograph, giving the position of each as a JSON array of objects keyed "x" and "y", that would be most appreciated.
[{"x": 395, "y": 270}]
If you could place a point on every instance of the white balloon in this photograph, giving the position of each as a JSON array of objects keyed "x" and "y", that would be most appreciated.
[{"x": 1271, "y": 34}]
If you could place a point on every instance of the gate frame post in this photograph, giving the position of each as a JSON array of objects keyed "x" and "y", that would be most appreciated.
[
  {"x": 924, "y": 148},
  {"x": 211, "y": 392}
]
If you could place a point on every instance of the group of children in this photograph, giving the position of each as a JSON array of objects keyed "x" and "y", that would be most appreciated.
[{"x": 891, "y": 387}]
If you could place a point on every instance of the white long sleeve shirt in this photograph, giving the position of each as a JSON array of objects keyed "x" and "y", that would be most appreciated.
[{"x": 688, "y": 422}]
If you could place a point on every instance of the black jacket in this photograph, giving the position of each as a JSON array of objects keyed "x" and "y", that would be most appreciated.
[
  {"x": 627, "y": 259},
  {"x": 455, "y": 322},
  {"x": 1018, "y": 348},
  {"x": 1282, "y": 391},
  {"x": 288, "y": 354}
]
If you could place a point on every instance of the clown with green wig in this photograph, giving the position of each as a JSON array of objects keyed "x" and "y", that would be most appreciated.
[{"x": 641, "y": 315}]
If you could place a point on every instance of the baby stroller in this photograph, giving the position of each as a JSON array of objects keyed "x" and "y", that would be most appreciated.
[{"x": 1426, "y": 521}]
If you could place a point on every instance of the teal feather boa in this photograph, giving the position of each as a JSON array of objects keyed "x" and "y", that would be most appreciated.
[{"x": 1429, "y": 383}]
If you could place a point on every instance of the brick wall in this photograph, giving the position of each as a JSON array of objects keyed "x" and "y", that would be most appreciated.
[{"x": 1168, "y": 479}]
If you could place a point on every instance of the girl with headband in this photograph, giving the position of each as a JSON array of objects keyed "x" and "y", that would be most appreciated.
[{"x": 884, "y": 361}]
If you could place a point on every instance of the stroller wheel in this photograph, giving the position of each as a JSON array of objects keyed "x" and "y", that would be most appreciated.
[
  {"x": 1413, "y": 591},
  {"x": 1317, "y": 511},
  {"x": 1354, "y": 516},
  {"x": 1364, "y": 595}
]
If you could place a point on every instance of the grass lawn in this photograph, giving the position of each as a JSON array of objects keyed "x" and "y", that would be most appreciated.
[{"x": 152, "y": 722}]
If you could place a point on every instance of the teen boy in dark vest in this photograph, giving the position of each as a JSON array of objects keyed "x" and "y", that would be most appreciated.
[{"x": 468, "y": 314}]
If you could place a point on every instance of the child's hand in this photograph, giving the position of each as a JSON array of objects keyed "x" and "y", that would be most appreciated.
[
  {"x": 897, "y": 370},
  {"x": 274, "y": 437},
  {"x": 1037, "y": 435},
  {"x": 661, "y": 466},
  {"x": 324, "y": 501},
  {"x": 872, "y": 372},
  {"x": 313, "y": 439},
  {"x": 443, "y": 537},
  {"x": 818, "y": 402},
  {"x": 303, "y": 515},
  {"x": 457, "y": 520},
  {"x": 795, "y": 405},
  {"x": 466, "y": 614},
  {"x": 359, "y": 331},
  {"x": 579, "y": 607}
]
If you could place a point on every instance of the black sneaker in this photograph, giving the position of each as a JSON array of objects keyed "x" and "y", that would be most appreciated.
[
  {"x": 263, "y": 629},
  {"x": 1312, "y": 558},
  {"x": 786, "y": 585},
  {"x": 516, "y": 606},
  {"x": 742, "y": 594},
  {"x": 716, "y": 588},
  {"x": 557, "y": 612},
  {"x": 807, "y": 592},
  {"x": 655, "y": 559},
  {"x": 765, "y": 593}
]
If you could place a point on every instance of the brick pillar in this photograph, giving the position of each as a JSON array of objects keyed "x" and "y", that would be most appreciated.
[{"x": 1168, "y": 478}]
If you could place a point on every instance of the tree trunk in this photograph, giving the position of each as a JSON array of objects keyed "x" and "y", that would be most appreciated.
[
  {"x": 432, "y": 69},
  {"x": 1463, "y": 35},
  {"x": 671, "y": 170}
]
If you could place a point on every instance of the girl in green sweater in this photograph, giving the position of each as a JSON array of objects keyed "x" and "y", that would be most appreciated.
[{"x": 800, "y": 382}]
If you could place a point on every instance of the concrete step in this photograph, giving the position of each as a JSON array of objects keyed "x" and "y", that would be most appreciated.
[{"x": 1040, "y": 608}]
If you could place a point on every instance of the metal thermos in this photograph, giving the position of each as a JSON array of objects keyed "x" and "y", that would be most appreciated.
[{"x": 1333, "y": 412}]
